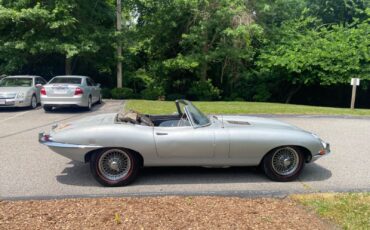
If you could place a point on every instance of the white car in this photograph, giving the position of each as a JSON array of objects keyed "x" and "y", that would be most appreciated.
[{"x": 70, "y": 91}]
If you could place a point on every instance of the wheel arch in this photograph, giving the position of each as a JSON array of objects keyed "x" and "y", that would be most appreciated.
[
  {"x": 306, "y": 152},
  {"x": 88, "y": 155}
]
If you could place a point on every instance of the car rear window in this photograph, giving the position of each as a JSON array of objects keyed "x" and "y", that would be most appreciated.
[{"x": 66, "y": 80}]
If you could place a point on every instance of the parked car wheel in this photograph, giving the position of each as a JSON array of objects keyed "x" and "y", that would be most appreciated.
[
  {"x": 89, "y": 104},
  {"x": 48, "y": 108},
  {"x": 33, "y": 104},
  {"x": 114, "y": 167},
  {"x": 284, "y": 164},
  {"x": 100, "y": 100}
]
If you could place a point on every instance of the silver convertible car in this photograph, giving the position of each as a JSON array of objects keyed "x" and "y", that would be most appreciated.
[{"x": 118, "y": 145}]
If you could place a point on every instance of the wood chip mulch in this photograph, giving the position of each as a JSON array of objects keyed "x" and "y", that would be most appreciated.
[{"x": 171, "y": 212}]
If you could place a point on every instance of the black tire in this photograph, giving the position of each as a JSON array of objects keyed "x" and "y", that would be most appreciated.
[
  {"x": 47, "y": 108},
  {"x": 100, "y": 100},
  {"x": 97, "y": 167},
  {"x": 89, "y": 104},
  {"x": 272, "y": 171},
  {"x": 33, "y": 104}
]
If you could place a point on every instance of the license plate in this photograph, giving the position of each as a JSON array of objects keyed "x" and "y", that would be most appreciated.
[
  {"x": 2, "y": 101},
  {"x": 60, "y": 90}
]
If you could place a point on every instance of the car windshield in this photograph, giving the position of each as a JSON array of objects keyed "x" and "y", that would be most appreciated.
[
  {"x": 16, "y": 82},
  {"x": 66, "y": 80},
  {"x": 198, "y": 117}
]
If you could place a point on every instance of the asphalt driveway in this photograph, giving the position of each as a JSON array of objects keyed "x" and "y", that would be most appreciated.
[{"x": 30, "y": 170}]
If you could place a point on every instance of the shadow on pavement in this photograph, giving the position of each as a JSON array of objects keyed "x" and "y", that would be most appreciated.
[
  {"x": 16, "y": 109},
  {"x": 65, "y": 110},
  {"x": 79, "y": 174}
]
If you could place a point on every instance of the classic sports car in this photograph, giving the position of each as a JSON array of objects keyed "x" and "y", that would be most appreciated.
[{"x": 118, "y": 145}]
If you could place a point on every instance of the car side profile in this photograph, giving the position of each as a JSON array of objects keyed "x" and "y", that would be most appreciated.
[
  {"x": 118, "y": 145},
  {"x": 70, "y": 91},
  {"x": 21, "y": 91}
]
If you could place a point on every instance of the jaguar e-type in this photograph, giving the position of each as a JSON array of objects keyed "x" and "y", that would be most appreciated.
[{"x": 117, "y": 146}]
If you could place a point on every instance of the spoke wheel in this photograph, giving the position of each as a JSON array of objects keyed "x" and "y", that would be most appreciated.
[
  {"x": 114, "y": 167},
  {"x": 284, "y": 163},
  {"x": 114, "y": 164}
]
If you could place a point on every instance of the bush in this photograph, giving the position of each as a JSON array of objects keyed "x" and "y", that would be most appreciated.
[
  {"x": 106, "y": 93},
  {"x": 151, "y": 93},
  {"x": 204, "y": 91},
  {"x": 122, "y": 93},
  {"x": 175, "y": 96}
]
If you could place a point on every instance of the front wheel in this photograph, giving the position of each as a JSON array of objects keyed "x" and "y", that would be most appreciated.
[
  {"x": 48, "y": 108},
  {"x": 114, "y": 167},
  {"x": 284, "y": 164}
]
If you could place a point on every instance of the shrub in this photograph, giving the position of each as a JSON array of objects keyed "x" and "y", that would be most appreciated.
[
  {"x": 151, "y": 93},
  {"x": 106, "y": 93},
  {"x": 204, "y": 91},
  {"x": 175, "y": 96},
  {"x": 122, "y": 93}
]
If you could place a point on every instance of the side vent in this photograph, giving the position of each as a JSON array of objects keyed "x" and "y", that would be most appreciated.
[{"x": 239, "y": 122}]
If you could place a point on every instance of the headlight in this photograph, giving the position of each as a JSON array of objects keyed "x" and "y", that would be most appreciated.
[{"x": 20, "y": 95}]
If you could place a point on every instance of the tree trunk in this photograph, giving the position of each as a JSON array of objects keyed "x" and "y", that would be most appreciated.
[
  {"x": 68, "y": 66},
  {"x": 292, "y": 92},
  {"x": 119, "y": 48}
]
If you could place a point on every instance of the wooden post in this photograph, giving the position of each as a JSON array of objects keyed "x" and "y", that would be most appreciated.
[{"x": 119, "y": 47}]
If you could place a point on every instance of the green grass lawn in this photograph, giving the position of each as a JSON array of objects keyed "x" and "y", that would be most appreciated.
[
  {"x": 233, "y": 107},
  {"x": 348, "y": 210}
]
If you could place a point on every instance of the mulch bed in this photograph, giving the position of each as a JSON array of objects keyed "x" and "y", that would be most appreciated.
[{"x": 167, "y": 212}]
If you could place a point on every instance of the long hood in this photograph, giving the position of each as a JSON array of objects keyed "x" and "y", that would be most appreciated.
[
  {"x": 96, "y": 120},
  {"x": 258, "y": 122}
]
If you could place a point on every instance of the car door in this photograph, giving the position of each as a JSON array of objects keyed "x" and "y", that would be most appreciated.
[{"x": 184, "y": 142}]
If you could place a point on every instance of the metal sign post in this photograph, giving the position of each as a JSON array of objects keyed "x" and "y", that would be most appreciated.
[{"x": 354, "y": 82}]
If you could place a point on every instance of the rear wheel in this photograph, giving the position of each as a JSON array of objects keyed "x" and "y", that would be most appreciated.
[
  {"x": 89, "y": 104},
  {"x": 114, "y": 167},
  {"x": 100, "y": 100},
  {"x": 48, "y": 108},
  {"x": 284, "y": 164},
  {"x": 33, "y": 104}
]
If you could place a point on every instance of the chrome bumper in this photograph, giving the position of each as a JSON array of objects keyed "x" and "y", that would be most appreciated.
[{"x": 323, "y": 152}]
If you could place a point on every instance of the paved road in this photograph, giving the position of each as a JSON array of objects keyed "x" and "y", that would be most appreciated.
[{"x": 30, "y": 170}]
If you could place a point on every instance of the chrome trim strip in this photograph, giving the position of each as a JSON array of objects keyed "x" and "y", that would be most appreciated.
[
  {"x": 52, "y": 143},
  {"x": 64, "y": 145}
]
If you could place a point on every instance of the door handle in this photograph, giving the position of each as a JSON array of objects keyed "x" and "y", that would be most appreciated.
[{"x": 161, "y": 134}]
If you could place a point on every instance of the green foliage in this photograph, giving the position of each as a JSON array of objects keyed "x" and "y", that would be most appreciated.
[
  {"x": 250, "y": 50},
  {"x": 122, "y": 93},
  {"x": 151, "y": 93},
  {"x": 204, "y": 91},
  {"x": 106, "y": 93}
]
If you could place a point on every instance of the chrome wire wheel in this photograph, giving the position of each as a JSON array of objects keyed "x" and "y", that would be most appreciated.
[
  {"x": 285, "y": 161},
  {"x": 114, "y": 164}
]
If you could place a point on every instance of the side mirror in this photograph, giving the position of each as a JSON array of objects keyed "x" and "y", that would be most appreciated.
[
  {"x": 98, "y": 85},
  {"x": 38, "y": 85}
]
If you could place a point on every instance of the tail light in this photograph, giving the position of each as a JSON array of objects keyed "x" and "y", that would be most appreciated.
[
  {"x": 78, "y": 91},
  {"x": 43, "y": 91}
]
